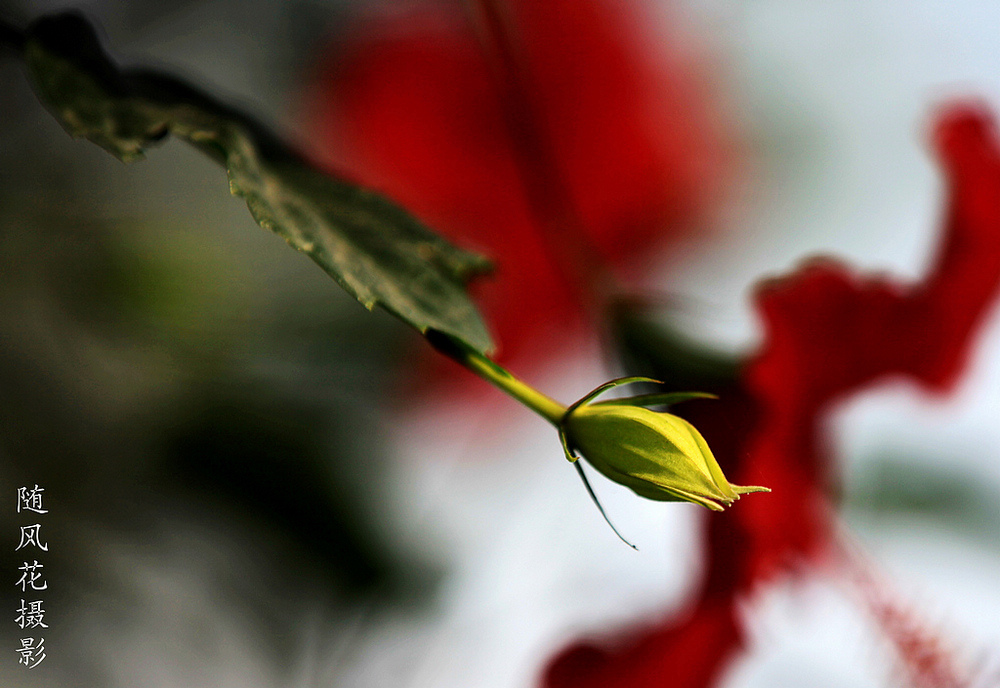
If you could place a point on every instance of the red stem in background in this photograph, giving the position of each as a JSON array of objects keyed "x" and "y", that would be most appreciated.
[
  {"x": 925, "y": 660},
  {"x": 574, "y": 255}
]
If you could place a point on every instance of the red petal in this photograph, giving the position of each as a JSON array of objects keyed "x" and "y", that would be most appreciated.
[
  {"x": 830, "y": 333},
  {"x": 411, "y": 107},
  {"x": 690, "y": 655}
]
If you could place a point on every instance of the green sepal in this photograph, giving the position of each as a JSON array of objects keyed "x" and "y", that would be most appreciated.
[
  {"x": 746, "y": 489},
  {"x": 570, "y": 456},
  {"x": 618, "y": 382},
  {"x": 664, "y": 399},
  {"x": 600, "y": 507}
]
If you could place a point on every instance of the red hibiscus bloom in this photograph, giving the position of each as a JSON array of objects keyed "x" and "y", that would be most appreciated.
[
  {"x": 828, "y": 333},
  {"x": 569, "y": 142}
]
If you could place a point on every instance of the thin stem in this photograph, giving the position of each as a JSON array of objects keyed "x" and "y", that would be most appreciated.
[
  {"x": 544, "y": 406},
  {"x": 549, "y": 409}
]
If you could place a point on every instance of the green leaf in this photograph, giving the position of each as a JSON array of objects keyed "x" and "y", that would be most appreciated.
[{"x": 372, "y": 247}]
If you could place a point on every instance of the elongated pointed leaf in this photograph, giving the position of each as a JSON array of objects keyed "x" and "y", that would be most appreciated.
[{"x": 373, "y": 248}]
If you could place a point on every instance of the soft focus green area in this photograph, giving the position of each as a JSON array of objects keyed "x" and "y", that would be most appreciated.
[
  {"x": 375, "y": 249},
  {"x": 899, "y": 488},
  {"x": 204, "y": 410}
]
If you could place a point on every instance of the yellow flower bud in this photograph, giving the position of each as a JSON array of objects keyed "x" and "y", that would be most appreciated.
[{"x": 657, "y": 455}]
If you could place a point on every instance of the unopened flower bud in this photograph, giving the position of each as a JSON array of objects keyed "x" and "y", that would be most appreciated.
[{"x": 657, "y": 455}]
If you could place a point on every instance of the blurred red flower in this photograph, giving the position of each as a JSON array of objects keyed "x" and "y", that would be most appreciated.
[
  {"x": 583, "y": 127},
  {"x": 828, "y": 333}
]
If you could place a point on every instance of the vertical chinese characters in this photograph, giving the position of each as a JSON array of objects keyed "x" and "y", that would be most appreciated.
[{"x": 31, "y": 613}]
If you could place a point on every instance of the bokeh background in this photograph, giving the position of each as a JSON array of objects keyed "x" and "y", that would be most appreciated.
[{"x": 252, "y": 481}]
